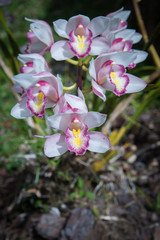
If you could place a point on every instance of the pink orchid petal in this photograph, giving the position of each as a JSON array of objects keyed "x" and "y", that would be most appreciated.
[
  {"x": 98, "y": 142},
  {"x": 55, "y": 145},
  {"x": 39, "y": 63},
  {"x": 80, "y": 94},
  {"x": 117, "y": 45},
  {"x": 98, "y": 90},
  {"x": 36, "y": 47},
  {"x": 25, "y": 80},
  {"x": 60, "y": 121},
  {"x": 141, "y": 56},
  {"x": 91, "y": 119},
  {"x": 99, "y": 45},
  {"x": 60, "y": 86},
  {"x": 92, "y": 70},
  {"x": 127, "y": 45},
  {"x": 60, "y": 27},
  {"x": 136, "y": 37},
  {"x": 76, "y": 102},
  {"x": 98, "y": 25},
  {"x": 20, "y": 110},
  {"x": 135, "y": 84},
  {"x": 74, "y": 21},
  {"x": 126, "y": 34},
  {"x": 122, "y": 58},
  {"x": 61, "y": 50},
  {"x": 121, "y": 14},
  {"x": 59, "y": 106},
  {"x": 42, "y": 30},
  {"x": 94, "y": 119}
]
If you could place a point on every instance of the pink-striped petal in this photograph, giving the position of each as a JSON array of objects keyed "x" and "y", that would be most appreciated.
[
  {"x": 76, "y": 102},
  {"x": 74, "y": 21},
  {"x": 42, "y": 30},
  {"x": 98, "y": 90}
]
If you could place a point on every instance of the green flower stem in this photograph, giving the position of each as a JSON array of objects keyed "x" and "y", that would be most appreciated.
[
  {"x": 70, "y": 87},
  {"x": 87, "y": 60},
  {"x": 88, "y": 90},
  {"x": 79, "y": 77},
  {"x": 72, "y": 61}
]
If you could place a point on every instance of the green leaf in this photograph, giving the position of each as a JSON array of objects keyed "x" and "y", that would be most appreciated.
[
  {"x": 72, "y": 195},
  {"x": 90, "y": 195},
  {"x": 9, "y": 58},
  {"x": 14, "y": 46},
  {"x": 158, "y": 201},
  {"x": 80, "y": 182},
  {"x": 81, "y": 193}
]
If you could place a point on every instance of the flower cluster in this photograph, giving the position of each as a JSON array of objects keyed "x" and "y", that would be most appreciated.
[{"x": 105, "y": 44}]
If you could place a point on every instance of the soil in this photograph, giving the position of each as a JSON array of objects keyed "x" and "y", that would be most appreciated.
[{"x": 70, "y": 201}]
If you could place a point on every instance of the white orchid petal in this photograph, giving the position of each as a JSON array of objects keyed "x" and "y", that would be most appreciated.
[
  {"x": 135, "y": 84},
  {"x": 20, "y": 110},
  {"x": 60, "y": 27},
  {"x": 99, "y": 45},
  {"x": 92, "y": 70},
  {"x": 94, "y": 119},
  {"x": 98, "y": 25},
  {"x": 98, "y": 142},
  {"x": 25, "y": 80},
  {"x": 61, "y": 50},
  {"x": 55, "y": 145}
]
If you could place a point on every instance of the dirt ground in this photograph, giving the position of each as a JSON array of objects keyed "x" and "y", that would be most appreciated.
[{"x": 70, "y": 201}]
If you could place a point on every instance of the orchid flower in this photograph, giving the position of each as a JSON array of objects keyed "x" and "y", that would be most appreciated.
[
  {"x": 117, "y": 21},
  {"x": 109, "y": 73},
  {"x": 123, "y": 40},
  {"x": 32, "y": 64},
  {"x": 40, "y": 37},
  {"x": 45, "y": 93},
  {"x": 82, "y": 37},
  {"x": 70, "y": 103},
  {"x": 76, "y": 137}
]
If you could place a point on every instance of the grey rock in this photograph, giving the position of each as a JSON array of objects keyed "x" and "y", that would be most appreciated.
[
  {"x": 79, "y": 225},
  {"x": 50, "y": 225}
]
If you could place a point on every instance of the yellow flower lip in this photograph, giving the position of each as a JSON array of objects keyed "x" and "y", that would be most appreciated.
[
  {"x": 40, "y": 96},
  {"x": 77, "y": 140},
  {"x": 81, "y": 43},
  {"x": 76, "y": 133},
  {"x": 113, "y": 75},
  {"x": 115, "y": 80}
]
